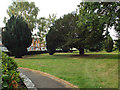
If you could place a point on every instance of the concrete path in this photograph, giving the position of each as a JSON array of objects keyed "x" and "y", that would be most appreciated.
[{"x": 41, "y": 81}]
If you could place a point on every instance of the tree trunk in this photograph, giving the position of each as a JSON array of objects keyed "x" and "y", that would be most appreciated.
[{"x": 81, "y": 51}]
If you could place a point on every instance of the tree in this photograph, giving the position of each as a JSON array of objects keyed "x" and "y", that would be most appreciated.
[
  {"x": 51, "y": 41},
  {"x": 41, "y": 24},
  {"x": 57, "y": 35},
  {"x": 97, "y": 47},
  {"x": 117, "y": 44},
  {"x": 109, "y": 11},
  {"x": 17, "y": 36},
  {"x": 79, "y": 30},
  {"x": 91, "y": 27},
  {"x": 109, "y": 44},
  {"x": 26, "y": 10},
  {"x": 50, "y": 21}
]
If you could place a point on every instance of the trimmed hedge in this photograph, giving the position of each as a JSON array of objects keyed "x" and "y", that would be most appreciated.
[
  {"x": 10, "y": 75},
  {"x": 28, "y": 53}
]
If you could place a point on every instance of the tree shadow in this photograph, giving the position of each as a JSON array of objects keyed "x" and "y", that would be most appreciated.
[
  {"x": 61, "y": 56},
  {"x": 92, "y": 56}
]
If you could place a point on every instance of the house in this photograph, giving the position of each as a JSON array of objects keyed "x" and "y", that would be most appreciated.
[{"x": 37, "y": 45}]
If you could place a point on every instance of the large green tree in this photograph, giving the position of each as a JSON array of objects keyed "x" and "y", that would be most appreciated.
[
  {"x": 87, "y": 28},
  {"x": 91, "y": 27},
  {"x": 108, "y": 12},
  {"x": 26, "y": 10},
  {"x": 17, "y": 36},
  {"x": 57, "y": 36}
]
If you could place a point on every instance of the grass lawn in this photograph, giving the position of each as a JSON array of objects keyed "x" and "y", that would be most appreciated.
[{"x": 95, "y": 70}]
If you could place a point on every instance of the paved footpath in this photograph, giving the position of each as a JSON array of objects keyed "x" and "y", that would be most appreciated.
[{"x": 41, "y": 81}]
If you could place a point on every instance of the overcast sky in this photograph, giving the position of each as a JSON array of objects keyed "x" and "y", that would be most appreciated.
[{"x": 59, "y": 7}]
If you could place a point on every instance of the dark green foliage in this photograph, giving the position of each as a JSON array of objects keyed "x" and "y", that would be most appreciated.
[
  {"x": 9, "y": 72},
  {"x": 109, "y": 44},
  {"x": 57, "y": 36},
  {"x": 50, "y": 43},
  {"x": 65, "y": 49},
  {"x": 88, "y": 28},
  {"x": 97, "y": 47},
  {"x": 16, "y": 36},
  {"x": 69, "y": 31},
  {"x": 117, "y": 44}
]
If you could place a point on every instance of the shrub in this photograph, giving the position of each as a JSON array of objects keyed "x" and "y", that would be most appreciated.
[{"x": 10, "y": 75}]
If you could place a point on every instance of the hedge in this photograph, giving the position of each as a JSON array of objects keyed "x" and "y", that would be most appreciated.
[{"x": 10, "y": 75}]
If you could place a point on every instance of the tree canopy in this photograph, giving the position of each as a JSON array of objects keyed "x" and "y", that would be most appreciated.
[
  {"x": 26, "y": 10},
  {"x": 86, "y": 28}
]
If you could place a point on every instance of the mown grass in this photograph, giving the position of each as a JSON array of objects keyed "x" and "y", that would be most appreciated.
[{"x": 94, "y": 70}]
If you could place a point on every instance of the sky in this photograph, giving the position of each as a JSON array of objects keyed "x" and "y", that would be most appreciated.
[{"x": 59, "y": 7}]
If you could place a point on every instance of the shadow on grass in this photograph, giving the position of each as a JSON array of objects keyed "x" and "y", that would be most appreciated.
[
  {"x": 92, "y": 56},
  {"x": 59, "y": 56}
]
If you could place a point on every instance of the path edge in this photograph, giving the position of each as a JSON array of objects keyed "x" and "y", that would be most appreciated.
[
  {"x": 66, "y": 83},
  {"x": 27, "y": 82}
]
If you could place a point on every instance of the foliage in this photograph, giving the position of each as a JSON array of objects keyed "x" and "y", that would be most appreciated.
[
  {"x": 117, "y": 44},
  {"x": 26, "y": 10},
  {"x": 108, "y": 11},
  {"x": 16, "y": 36},
  {"x": 42, "y": 28},
  {"x": 109, "y": 44},
  {"x": 43, "y": 25},
  {"x": 88, "y": 28},
  {"x": 65, "y": 49},
  {"x": 77, "y": 31},
  {"x": 10, "y": 75},
  {"x": 57, "y": 34},
  {"x": 51, "y": 41},
  {"x": 97, "y": 47},
  {"x": 50, "y": 21}
]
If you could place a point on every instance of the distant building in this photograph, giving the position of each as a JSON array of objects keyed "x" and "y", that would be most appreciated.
[{"x": 37, "y": 45}]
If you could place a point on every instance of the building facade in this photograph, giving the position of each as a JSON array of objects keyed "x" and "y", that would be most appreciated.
[{"x": 37, "y": 45}]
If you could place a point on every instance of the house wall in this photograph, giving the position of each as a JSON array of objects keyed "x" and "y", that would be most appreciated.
[{"x": 37, "y": 46}]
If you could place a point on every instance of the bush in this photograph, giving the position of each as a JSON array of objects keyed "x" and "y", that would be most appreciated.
[
  {"x": 29, "y": 53},
  {"x": 10, "y": 75}
]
